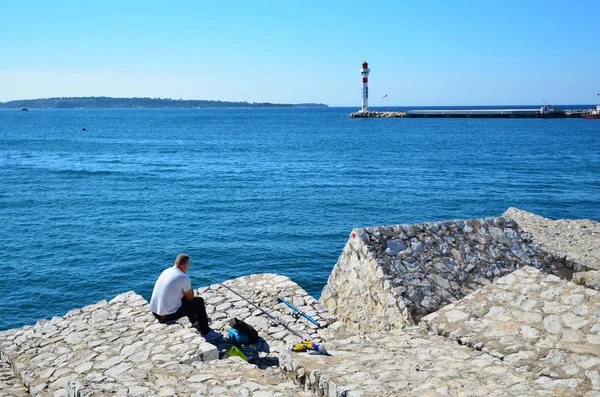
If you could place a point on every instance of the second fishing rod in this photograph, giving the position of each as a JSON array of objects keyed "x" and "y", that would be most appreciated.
[{"x": 267, "y": 313}]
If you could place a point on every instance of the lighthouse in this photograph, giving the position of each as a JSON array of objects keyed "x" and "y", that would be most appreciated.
[{"x": 365, "y": 86}]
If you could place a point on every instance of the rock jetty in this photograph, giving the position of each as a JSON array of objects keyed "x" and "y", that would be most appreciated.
[
  {"x": 483, "y": 307},
  {"x": 367, "y": 114}
]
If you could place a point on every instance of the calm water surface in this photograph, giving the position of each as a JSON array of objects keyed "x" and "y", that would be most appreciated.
[{"x": 86, "y": 215}]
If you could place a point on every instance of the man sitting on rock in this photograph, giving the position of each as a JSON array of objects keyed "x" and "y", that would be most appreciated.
[{"x": 173, "y": 298}]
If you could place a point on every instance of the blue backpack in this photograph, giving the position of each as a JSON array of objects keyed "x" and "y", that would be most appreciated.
[{"x": 237, "y": 337}]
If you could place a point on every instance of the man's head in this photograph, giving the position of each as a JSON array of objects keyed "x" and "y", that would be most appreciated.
[{"x": 182, "y": 262}]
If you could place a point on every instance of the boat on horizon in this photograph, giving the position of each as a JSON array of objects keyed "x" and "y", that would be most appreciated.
[{"x": 593, "y": 114}]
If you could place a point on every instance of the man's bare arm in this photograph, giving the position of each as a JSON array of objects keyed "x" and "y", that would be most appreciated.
[{"x": 189, "y": 295}]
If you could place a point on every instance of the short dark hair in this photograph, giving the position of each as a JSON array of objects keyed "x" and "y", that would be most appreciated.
[{"x": 182, "y": 259}]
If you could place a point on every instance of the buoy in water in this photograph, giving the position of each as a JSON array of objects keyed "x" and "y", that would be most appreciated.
[{"x": 83, "y": 129}]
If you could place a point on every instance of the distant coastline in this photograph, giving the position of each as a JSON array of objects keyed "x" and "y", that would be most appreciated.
[{"x": 110, "y": 103}]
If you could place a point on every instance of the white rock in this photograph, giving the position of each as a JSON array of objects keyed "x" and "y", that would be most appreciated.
[
  {"x": 552, "y": 324},
  {"x": 83, "y": 367},
  {"x": 137, "y": 390},
  {"x": 574, "y": 321},
  {"x": 529, "y": 332},
  {"x": 455, "y": 315},
  {"x": 109, "y": 362},
  {"x": 200, "y": 378},
  {"x": 571, "y": 369}
]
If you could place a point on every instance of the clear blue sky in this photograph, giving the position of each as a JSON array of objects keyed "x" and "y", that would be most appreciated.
[{"x": 420, "y": 53}]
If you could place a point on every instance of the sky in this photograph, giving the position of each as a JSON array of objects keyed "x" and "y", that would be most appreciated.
[{"x": 420, "y": 52}]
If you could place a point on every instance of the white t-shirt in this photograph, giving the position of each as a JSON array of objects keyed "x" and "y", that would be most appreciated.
[{"x": 168, "y": 291}]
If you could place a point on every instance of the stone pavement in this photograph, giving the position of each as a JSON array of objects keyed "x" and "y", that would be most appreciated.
[
  {"x": 406, "y": 362},
  {"x": 536, "y": 322},
  {"x": 230, "y": 377}
]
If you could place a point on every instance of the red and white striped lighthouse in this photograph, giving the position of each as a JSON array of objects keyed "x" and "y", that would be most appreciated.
[{"x": 365, "y": 86}]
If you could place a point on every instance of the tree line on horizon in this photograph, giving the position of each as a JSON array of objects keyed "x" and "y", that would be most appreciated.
[{"x": 110, "y": 102}]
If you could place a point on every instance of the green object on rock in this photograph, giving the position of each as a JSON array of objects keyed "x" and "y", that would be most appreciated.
[{"x": 234, "y": 351}]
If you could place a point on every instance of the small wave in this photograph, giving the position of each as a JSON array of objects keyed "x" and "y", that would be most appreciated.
[{"x": 83, "y": 172}]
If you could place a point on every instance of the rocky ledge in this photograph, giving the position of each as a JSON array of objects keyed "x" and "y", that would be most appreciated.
[
  {"x": 117, "y": 347},
  {"x": 507, "y": 320}
]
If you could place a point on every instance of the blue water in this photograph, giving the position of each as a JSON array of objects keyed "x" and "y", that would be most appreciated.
[{"x": 86, "y": 215}]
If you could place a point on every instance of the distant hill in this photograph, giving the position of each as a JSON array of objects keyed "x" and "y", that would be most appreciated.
[{"x": 108, "y": 102}]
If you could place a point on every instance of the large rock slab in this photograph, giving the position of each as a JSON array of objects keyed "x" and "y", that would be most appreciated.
[
  {"x": 405, "y": 362},
  {"x": 535, "y": 321},
  {"x": 576, "y": 242},
  {"x": 390, "y": 277}
]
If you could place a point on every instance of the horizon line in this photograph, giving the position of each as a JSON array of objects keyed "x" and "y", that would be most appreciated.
[{"x": 285, "y": 103}]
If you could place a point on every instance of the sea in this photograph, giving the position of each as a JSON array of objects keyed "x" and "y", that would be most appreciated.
[{"x": 97, "y": 202}]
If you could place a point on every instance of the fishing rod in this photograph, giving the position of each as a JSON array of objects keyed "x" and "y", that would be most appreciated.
[
  {"x": 265, "y": 312},
  {"x": 309, "y": 318}
]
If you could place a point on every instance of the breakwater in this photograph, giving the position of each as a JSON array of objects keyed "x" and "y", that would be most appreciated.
[
  {"x": 475, "y": 113},
  {"x": 497, "y": 306}
]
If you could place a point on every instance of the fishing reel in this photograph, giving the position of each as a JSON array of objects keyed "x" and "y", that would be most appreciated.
[{"x": 294, "y": 314}]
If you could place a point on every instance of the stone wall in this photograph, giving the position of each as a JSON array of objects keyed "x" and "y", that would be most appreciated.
[
  {"x": 357, "y": 291},
  {"x": 392, "y": 276}
]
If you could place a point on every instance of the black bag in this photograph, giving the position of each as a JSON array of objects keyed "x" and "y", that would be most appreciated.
[{"x": 245, "y": 329}]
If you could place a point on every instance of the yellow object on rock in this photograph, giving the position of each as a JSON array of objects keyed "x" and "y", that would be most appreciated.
[{"x": 299, "y": 347}]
